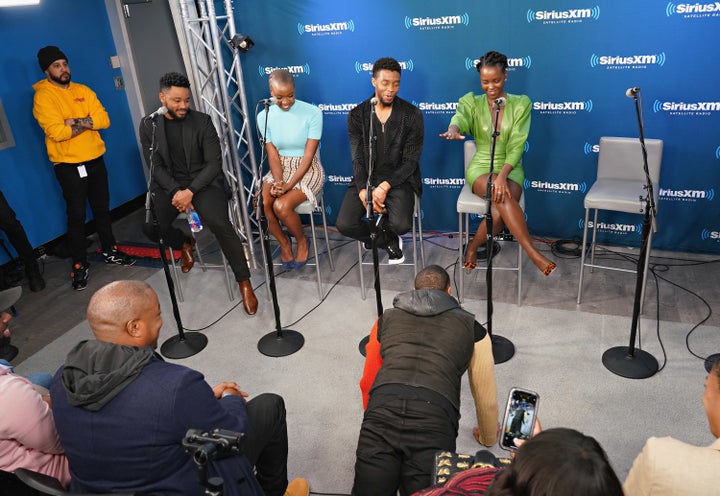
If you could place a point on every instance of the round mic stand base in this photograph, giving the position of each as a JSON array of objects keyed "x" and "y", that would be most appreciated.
[
  {"x": 363, "y": 344},
  {"x": 710, "y": 361},
  {"x": 639, "y": 365},
  {"x": 275, "y": 344},
  {"x": 184, "y": 346},
  {"x": 502, "y": 349}
]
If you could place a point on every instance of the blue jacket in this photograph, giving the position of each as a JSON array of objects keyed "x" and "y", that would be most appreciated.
[{"x": 133, "y": 442}]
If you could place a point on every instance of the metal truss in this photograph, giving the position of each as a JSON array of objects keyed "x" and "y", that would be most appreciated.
[{"x": 214, "y": 68}]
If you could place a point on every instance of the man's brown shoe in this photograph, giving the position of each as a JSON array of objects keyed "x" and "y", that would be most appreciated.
[
  {"x": 250, "y": 302},
  {"x": 187, "y": 259}
]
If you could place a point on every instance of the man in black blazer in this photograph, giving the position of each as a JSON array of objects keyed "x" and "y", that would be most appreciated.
[
  {"x": 397, "y": 140},
  {"x": 186, "y": 174}
]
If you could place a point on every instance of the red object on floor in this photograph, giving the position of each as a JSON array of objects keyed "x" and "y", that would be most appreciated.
[{"x": 140, "y": 250}]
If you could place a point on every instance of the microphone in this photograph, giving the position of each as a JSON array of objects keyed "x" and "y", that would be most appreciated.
[
  {"x": 269, "y": 101},
  {"x": 373, "y": 101},
  {"x": 161, "y": 111},
  {"x": 632, "y": 92},
  {"x": 500, "y": 101}
]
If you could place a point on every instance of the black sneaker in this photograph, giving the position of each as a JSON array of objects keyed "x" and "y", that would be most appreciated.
[
  {"x": 79, "y": 276},
  {"x": 117, "y": 257},
  {"x": 394, "y": 249}
]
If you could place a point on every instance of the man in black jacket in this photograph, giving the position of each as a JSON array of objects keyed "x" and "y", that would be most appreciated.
[
  {"x": 397, "y": 139},
  {"x": 187, "y": 173}
]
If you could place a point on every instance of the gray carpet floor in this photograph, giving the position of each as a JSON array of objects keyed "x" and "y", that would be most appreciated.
[{"x": 558, "y": 354}]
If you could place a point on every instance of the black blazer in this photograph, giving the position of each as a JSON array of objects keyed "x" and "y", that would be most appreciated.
[{"x": 202, "y": 152}]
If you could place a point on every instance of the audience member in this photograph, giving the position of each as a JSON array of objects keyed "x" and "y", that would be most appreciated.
[
  {"x": 16, "y": 235},
  {"x": 184, "y": 154},
  {"x": 556, "y": 462},
  {"x": 667, "y": 466},
  {"x": 122, "y": 412},
  {"x": 426, "y": 343},
  {"x": 397, "y": 144},
  {"x": 27, "y": 430},
  {"x": 71, "y": 116}
]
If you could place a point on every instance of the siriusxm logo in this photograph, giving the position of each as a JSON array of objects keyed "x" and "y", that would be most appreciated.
[
  {"x": 436, "y": 107},
  {"x": 588, "y": 148},
  {"x": 613, "y": 227},
  {"x": 444, "y": 22},
  {"x": 692, "y": 9},
  {"x": 513, "y": 63},
  {"x": 325, "y": 29},
  {"x": 406, "y": 65},
  {"x": 454, "y": 182},
  {"x": 617, "y": 61},
  {"x": 707, "y": 234},
  {"x": 685, "y": 108},
  {"x": 563, "y": 188},
  {"x": 335, "y": 179},
  {"x": 686, "y": 194},
  {"x": 336, "y": 108},
  {"x": 563, "y": 16},
  {"x": 294, "y": 69},
  {"x": 563, "y": 107}
]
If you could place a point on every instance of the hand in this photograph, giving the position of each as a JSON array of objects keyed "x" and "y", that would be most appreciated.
[
  {"x": 363, "y": 197},
  {"x": 500, "y": 190},
  {"x": 379, "y": 194},
  {"x": 5, "y": 324},
  {"x": 278, "y": 189},
  {"x": 537, "y": 429},
  {"x": 452, "y": 134},
  {"x": 228, "y": 388},
  {"x": 182, "y": 200}
]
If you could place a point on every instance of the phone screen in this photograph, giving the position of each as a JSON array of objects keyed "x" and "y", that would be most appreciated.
[{"x": 520, "y": 415}]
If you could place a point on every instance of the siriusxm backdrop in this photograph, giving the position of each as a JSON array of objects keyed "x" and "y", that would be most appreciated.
[{"x": 574, "y": 60}]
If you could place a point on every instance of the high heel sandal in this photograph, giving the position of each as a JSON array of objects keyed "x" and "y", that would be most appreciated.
[
  {"x": 290, "y": 264},
  {"x": 549, "y": 268}
]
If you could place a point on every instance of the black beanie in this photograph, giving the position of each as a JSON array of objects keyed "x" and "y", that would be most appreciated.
[{"x": 48, "y": 55}]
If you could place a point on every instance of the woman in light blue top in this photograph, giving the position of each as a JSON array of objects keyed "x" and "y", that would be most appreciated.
[
  {"x": 474, "y": 115},
  {"x": 294, "y": 129}
]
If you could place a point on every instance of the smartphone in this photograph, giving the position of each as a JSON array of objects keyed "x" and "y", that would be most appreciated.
[{"x": 519, "y": 419}]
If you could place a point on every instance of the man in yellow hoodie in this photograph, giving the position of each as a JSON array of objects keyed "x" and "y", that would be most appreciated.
[{"x": 71, "y": 116}]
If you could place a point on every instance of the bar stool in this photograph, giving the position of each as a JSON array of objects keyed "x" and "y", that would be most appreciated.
[
  {"x": 417, "y": 235},
  {"x": 306, "y": 208},
  {"x": 470, "y": 203}
]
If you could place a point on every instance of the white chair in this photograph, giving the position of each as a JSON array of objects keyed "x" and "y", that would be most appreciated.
[
  {"x": 417, "y": 246},
  {"x": 620, "y": 187},
  {"x": 469, "y": 203},
  {"x": 306, "y": 208},
  {"x": 203, "y": 266}
]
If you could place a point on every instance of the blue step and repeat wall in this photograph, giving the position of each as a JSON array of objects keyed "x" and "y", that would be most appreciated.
[{"x": 575, "y": 60}]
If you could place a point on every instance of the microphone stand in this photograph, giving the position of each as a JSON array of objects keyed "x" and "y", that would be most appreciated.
[
  {"x": 369, "y": 215},
  {"x": 277, "y": 343},
  {"x": 503, "y": 348},
  {"x": 626, "y": 361},
  {"x": 183, "y": 345}
]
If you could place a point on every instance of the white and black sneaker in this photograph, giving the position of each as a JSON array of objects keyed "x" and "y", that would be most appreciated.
[
  {"x": 117, "y": 257},
  {"x": 79, "y": 276},
  {"x": 394, "y": 250}
]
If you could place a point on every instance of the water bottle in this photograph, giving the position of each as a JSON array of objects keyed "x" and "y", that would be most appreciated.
[{"x": 194, "y": 220}]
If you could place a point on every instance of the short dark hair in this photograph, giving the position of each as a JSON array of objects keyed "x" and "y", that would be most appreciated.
[
  {"x": 282, "y": 76},
  {"x": 386, "y": 64},
  {"x": 432, "y": 277},
  {"x": 171, "y": 79},
  {"x": 493, "y": 59},
  {"x": 561, "y": 462}
]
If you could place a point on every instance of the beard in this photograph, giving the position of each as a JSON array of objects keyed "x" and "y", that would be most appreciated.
[
  {"x": 176, "y": 117},
  {"x": 388, "y": 104},
  {"x": 61, "y": 79}
]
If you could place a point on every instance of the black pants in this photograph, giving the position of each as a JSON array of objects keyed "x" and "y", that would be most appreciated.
[
  {"x": 266, "y": 444},
  {"x": 400, "y": 202},
  {"x": 212, "y": 207},
  {"x": 15, "y": 232},
  {"x": 397, "y": 445},
  {"x": 77, "y": 191}
]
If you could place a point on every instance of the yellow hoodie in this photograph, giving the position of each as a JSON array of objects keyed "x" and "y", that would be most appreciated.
[{"x": 52, "y": 105}]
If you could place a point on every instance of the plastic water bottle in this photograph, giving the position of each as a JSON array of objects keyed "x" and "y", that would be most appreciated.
[{"x": 194, "y": 220}]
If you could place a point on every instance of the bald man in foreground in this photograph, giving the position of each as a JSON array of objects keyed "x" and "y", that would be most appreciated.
[{"x": 122, "y": 412}]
